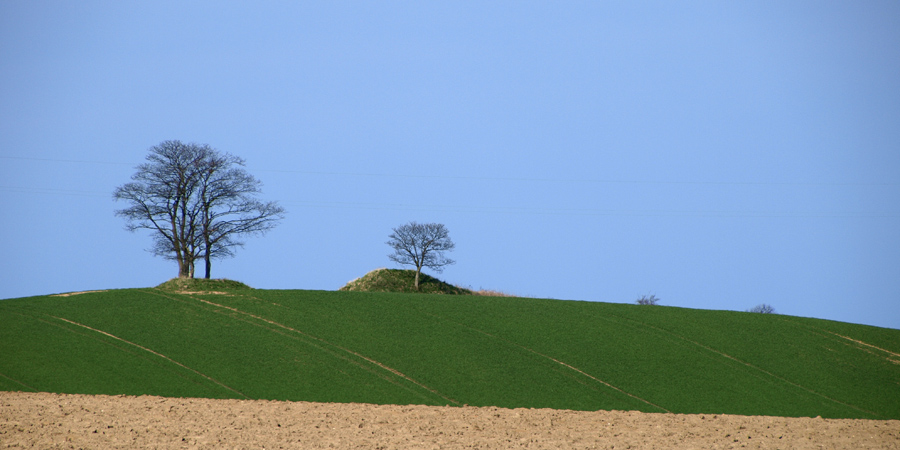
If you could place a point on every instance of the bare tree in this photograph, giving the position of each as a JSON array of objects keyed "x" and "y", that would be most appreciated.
[
  {"x": 762, "y": 309},
  {"x": 647, "y": 300},
  {"x": 196, "y": 202},
  {"x": 421, "y": 245}
]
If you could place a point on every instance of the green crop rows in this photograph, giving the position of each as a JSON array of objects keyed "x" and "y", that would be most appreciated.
[{"x": 447, "y": 350}]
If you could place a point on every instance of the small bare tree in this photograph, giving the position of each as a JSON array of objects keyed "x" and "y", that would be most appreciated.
[
  {"x": 647, "y": 300},
  {"x": 762, "y": 309},
  {"x": 421, "y": 245}
]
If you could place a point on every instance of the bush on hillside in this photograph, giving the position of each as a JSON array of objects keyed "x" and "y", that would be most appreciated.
[
  {"x": 762, "y": 309},
  {"x": 647, "y": 300}
]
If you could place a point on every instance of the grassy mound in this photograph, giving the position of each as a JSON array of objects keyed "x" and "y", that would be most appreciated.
[
  {"x": 202, "y": 284},
  {"x": 396, "y": 280}
]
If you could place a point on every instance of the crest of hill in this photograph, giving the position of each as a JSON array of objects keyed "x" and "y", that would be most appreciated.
[
  {"x": 397, "y": 280},
  {"x": 201, "y": 284}
]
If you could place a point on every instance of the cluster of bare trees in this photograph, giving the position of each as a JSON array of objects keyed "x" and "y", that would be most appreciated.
[{"x": 197, "y": 201}]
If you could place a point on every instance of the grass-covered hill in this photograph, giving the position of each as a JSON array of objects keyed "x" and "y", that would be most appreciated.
[
  {"x": 224, "y": 341},
  {"x": 397, "y": 280}
]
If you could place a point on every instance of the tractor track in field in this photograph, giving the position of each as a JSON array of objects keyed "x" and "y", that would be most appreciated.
[
  {"x": 110, "y": 335},
  {"x": 749, "y": 365},
  {"x": 554, "y": 360},
  {"x": 371, "y": 361}
]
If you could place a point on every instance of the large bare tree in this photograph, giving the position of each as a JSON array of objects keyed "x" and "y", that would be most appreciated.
[
  {"x": 197, "y": 202},
  {"x": 421, "y": 245}
]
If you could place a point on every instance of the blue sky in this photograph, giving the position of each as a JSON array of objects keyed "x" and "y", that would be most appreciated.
[{"x": 717, "y": 155}]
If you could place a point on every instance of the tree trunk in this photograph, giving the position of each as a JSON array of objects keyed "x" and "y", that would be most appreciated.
[
  {"x": 208, "y": 264},
  {"x": 184, "y": 269},
  {"x": 418, "y": 269}
]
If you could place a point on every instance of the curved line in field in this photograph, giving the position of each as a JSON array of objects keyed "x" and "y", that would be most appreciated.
[
  {"x": 589, "y": 376},
  {"x": 69, "y": 294},
  {"x": 343, "y": 349},
  {"x": 860, "y": 345},
  {"x": 866, "y": 344},
  {"x": 18, "y": 382},
  {"x": 564, "y": 364},
  {"x": 86, "y": 334},
  {"x": 739, "y": 361},
  {"x": 153, "y": 352}
]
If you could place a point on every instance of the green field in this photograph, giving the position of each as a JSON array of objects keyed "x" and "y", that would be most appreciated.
[{"x": 437, "y": 349}]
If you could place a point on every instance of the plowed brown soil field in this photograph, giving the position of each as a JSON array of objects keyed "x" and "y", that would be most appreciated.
[{"x": 40, "y": 420}]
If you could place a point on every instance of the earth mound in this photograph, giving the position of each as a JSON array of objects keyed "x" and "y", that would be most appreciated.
[
  {"x": 202, "y": 284},
  {"x": 397, "y": 280}
]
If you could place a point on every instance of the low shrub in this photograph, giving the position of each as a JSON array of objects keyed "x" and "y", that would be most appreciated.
[
  {"x": 762, "y": 309},
  {"x": 647, "y": 300}
]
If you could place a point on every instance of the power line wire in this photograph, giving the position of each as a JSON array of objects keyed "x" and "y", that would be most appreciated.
[
  {"x": 500, "y": 209},
  {"x": 50, "y": 191},
  {"x": 28, "y": 158},
  {"x": 516, "y": 210},
  {"x": 514, "y": 179},
  {"x": 577, "y": 180},
  {"x": 590, "y": 212}
]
